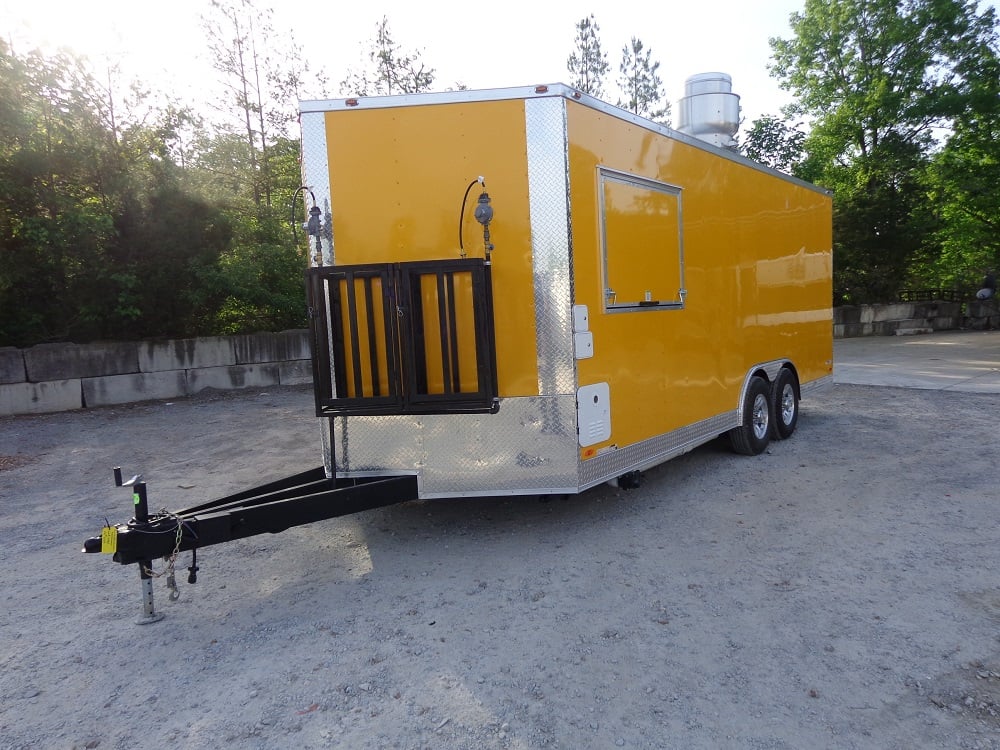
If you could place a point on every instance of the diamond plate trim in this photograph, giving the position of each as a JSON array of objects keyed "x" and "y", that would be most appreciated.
[
  {"x": 548, "y": 187},
  {"x": 653, "y": 451},
  {"x": 316, "y": 176},
  {"x": 815, "y": 386},
  {"x": 528, "y": 447},
  {"x": 326, "y": 438}
]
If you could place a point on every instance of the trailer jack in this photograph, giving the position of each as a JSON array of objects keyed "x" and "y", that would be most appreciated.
[{"x": 270, "y": 508}]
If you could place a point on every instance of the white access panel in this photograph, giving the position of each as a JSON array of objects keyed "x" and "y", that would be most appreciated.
[{"x": 593, "y": 407}]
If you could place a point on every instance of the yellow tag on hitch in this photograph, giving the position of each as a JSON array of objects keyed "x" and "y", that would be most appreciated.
[{"x": 109, "y": 540}]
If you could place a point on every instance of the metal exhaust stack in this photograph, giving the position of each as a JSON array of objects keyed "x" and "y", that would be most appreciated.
[{"x": 710, "y": 111}]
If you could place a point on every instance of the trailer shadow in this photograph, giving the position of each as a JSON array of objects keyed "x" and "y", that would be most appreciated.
[
  {"x": 442, "y": 544},
  {"x": 531, "y": 514}
]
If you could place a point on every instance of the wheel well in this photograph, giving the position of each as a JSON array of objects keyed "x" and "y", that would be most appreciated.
[
  {"x": 775, "y": 366},
  {"x": 795, "y": 375}
]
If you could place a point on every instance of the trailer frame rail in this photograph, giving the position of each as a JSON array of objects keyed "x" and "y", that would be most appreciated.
[{"x": 271, "y": 508}]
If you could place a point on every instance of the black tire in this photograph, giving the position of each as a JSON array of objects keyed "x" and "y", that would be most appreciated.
[
  {"x": 754, "y": 434},
  {"x": 785, "y": 404}
]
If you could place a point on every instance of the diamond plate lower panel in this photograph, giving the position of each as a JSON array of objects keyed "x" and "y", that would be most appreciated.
[
  {"x": 528, "y": 447},
  {"x": 815, "y": 386},
  {"x": 654, "y": 451}
]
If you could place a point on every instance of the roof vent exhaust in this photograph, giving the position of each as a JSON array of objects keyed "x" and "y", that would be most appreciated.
[{"x": 709, "y": 110}]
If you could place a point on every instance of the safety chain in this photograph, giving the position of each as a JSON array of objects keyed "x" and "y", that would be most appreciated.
[{"x": 175, "y": 594}]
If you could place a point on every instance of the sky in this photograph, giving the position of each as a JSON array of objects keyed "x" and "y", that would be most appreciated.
[{"x": 482, "y": 45}]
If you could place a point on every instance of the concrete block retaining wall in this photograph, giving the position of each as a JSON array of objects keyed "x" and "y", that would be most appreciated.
[
  {"x": 60, "y": 377},
  {"x": 904, "y": 318}
]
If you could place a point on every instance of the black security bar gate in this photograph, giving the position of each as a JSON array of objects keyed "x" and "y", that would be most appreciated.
[
  {"x": 339, "y": 339},
  {"x": 403, "y": 338}
]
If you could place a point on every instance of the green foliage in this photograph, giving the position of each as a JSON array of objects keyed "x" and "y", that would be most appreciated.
[
  {"x": 640, "y": 82},
  {"x": 260, "y": 280},
  {"x": 773, "y": 142},
  {"x": 883, "y": 83},
  {"x": 588, "y": 63},
  {"x": 964, "y": 183},
  {"x": 882, "y": 221},
  {"x": 112, "y": 228},
  {"x": 55, "y": 221}
]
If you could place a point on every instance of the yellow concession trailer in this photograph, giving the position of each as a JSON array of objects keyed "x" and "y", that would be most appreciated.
[{"x": 526, "y": 290}]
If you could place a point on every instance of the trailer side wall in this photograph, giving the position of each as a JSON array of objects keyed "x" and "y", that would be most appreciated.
[{"x": 756, "y": 254}]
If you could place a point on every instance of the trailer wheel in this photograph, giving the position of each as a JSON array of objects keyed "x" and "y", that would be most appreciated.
[
  {"x": 785, "y": 400},
  {"x": 753, "y": 435}
]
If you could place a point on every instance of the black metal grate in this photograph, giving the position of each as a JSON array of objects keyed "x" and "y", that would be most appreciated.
[{"x": 403, "y": 338}]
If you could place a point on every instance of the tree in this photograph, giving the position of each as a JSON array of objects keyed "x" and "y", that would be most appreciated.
[
  {"x": 99, "y": 236},
  {"x": 390, "y": 70},
  {"x": 264, "y": 75},
  {"x": 964, "y": 180},
  {"x": 114, "y": 226},
  {"x": 55, "y": 222},
  {"x": 233, "y": 34},
  {"x": 639, "y": 80},
  {"x": 867, "y": 70},
  {"x": 773, "y": 142},
  {"x": 881, "y": 81},
  {"x": 588, "y": 63},
  {"x": 257, "y": 281}
]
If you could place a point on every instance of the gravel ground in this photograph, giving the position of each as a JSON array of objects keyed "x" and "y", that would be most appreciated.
[{"x": 839, "y": 591}]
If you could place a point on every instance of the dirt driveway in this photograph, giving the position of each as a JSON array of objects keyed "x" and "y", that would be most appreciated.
[{"x": 839, "y": 591}]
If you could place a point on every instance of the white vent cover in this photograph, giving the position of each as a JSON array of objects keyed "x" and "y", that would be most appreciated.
[{"x": 593, "y": 410}]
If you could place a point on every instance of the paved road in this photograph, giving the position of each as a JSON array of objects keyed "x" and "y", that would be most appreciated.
[{"x": 948, "y": 360}]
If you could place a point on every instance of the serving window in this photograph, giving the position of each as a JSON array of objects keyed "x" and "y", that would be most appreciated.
[{"x": 641, "y": 243}]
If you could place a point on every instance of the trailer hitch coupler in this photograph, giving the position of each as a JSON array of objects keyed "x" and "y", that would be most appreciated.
[{"x": 92, "y": 545}]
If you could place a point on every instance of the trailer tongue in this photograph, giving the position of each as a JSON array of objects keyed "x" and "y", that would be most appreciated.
[{"x": 268, "y": 509}]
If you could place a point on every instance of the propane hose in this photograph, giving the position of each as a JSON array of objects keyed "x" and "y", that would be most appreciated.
[{"x": 483, "y": 214}]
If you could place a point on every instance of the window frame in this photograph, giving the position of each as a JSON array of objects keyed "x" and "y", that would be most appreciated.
[{"x": 610, "y": 303}]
